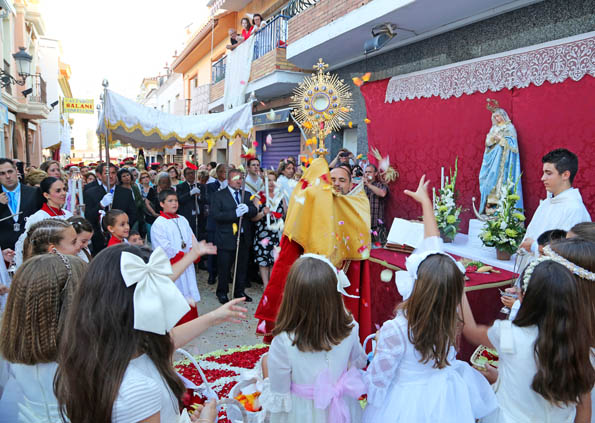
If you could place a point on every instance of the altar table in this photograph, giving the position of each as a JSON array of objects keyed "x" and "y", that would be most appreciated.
[{"x": 482, "y": 292}]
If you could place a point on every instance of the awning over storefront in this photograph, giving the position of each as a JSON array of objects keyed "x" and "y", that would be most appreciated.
[{"x": 142, "y": 126}]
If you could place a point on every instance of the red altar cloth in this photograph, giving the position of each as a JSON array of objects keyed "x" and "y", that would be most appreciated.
[
  {"x": 481, "y": 289},
  {"x": 358, "y": 275}
]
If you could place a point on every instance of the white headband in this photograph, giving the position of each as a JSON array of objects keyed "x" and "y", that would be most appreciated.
[
  {"x": 405, "y": 279},
  {"x": 342, "y": 279},
  {"x": 158, "y": 303},
  {"x": 551, "y": 255}
]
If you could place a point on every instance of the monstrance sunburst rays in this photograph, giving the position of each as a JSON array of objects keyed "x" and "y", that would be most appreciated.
[{"x": 322, "y": 104}]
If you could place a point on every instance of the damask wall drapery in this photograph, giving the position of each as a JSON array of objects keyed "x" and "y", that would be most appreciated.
[{"x": 421, "y": 133}]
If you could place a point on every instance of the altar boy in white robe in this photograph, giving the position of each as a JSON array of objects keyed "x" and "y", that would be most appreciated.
[
  {"x": 563, "y": 207},
  {"x": 173, "y": 233}
]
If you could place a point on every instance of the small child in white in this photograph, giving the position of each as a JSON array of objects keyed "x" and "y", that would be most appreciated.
[{"x": 172, "y": 232}]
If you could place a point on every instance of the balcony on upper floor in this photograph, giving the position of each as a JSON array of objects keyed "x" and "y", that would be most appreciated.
[
  {"x": 271, "y": 74},
  {"x": 35, "y": 106},
  {"x": 337, "y": 31}
]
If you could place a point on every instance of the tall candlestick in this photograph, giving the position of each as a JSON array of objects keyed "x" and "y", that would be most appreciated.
[
  {"x": 79, "y": 184},
  {"x": 72, "y": 193},
  {"x": 266, "y": 195},
  {"x": 442, "y": 178}
]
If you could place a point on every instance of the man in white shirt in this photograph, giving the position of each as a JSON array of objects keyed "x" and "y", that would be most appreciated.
[
  {"x": 254, "y": 183},
  {"x": 563, "y": 208}
]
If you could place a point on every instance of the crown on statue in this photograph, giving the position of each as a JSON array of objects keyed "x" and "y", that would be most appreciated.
[{"x": 492, "y": 105}]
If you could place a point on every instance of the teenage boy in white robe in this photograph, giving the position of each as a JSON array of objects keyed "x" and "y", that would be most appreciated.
[
  {"x": 172, "y": 232},
  {"x": 563, "y": 207}
]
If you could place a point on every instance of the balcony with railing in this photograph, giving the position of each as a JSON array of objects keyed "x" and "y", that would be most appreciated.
[
  {"x": 38, "y": 85},
  {"x": 271, "y": 74},
  {"x": 35, "y": 105}
]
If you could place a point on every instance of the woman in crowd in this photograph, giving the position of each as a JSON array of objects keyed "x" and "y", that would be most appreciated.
[
  {"x": 112, "y": 326},
  {"x": 257, "y": 22},
  {"x": 53, "y": 192},
  {"x": 89, "y": 178},
  {"x": 268, "y": 231},
  {"x": 126, "y": 180},
  {"x": 285, "y": 180},
  {"x": 174, "y": 176},
  {"x": 34, "y": 177},
  {"x": 144, "y": 181},
  {"x": 52, "y": 168},
  {"x": 84, "y": 233},
  {"x": 39, "y": 298},
  {"x": 162, "y": 182},
  {"x": 247, "y": 28}
]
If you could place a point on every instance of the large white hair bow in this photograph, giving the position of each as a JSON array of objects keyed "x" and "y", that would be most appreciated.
[
  {"x": 342, "y": 279},
  {"x": 405, "y": 279},
  {"x": 158, "y": 303}
]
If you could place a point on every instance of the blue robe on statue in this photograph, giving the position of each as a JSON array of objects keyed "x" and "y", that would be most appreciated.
[{"x": 500, "y": 159}]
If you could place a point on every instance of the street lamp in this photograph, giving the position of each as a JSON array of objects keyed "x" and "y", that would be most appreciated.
[{"x": 23, "y": 61}]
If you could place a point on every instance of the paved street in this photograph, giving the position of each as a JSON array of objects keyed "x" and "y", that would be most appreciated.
[{"x": 229, "y": 335}]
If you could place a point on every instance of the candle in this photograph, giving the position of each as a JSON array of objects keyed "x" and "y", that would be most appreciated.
[
  {"x": 266, "y": 195},
  {"x": 442, "y": 178},
  {"x": 433, "y": 196},
  {"x": 80, "y": 190},
  {"x": 72, "y": 193}
]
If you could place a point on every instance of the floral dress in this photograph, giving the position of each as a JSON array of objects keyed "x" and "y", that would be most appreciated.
[{"x": 265, "y": 239}]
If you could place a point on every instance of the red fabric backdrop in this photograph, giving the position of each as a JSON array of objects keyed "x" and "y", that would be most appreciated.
[{"x": 422, "y": 135}]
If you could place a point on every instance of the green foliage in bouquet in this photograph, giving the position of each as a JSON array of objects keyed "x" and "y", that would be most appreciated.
[
  {"x": 506, "y": 229},
  {"x": 445, "y": 207}
]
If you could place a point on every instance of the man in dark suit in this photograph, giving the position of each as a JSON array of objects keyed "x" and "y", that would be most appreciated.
[
  {"x": 15, "y": 198},
  {"x": 227, "y": 207},
  {"x": 191, "y": 200},
  {"x": 97, "y": 198},
  {"x": 219, "y": 184}
]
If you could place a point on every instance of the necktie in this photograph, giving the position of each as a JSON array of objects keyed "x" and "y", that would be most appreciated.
[
  {"x": 237, "y": 193},
  {"x": 12, "y": 201}
]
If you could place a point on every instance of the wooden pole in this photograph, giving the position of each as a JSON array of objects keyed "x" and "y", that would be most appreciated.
[{"x": 235, "y": 266}]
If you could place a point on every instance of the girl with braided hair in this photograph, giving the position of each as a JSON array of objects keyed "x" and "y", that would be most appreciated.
[
  {"x": 40, "y": 295},
  {"x": 53, "y": 192},
  {"x": 50, "y": 236}
]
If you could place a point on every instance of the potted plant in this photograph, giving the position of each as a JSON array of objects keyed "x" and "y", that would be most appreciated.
[
  {"x": 445, "y": 208},
  {"x": 506, "y": 229}
]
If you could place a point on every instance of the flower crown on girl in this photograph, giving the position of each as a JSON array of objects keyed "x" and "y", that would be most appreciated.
[
  {"x": 550, "y": 255},
  {"x": 405, "y": 279},
  {"x": 342, "y": 279}
]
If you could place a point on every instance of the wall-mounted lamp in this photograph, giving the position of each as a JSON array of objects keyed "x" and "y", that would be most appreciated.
[
  {"x": 27, "y": 92},
  {"x": 23, "y": 61}
]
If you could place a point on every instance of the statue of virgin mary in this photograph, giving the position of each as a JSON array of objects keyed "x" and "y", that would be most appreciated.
[{"x": 500, "y": 160}]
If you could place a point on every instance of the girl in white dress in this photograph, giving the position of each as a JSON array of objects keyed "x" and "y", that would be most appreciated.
[
  {"x": 121, "y": 323},
  {"x": 39, "y": 297},
  {"x": 314, "y": 360},
  {"x": 414, "y": 375},
  {"x": 54, "y": 193},
  {"x": 544, "y": 371}
]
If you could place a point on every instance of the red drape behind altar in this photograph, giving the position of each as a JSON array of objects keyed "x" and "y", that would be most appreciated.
[{"x": 422, "y": 135}]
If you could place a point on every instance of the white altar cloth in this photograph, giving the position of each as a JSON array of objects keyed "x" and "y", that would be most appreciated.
[{"x": 462, "y": 246}]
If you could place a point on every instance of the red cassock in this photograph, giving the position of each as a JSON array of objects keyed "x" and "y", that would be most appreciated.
[{"x": 358, "y": 275}]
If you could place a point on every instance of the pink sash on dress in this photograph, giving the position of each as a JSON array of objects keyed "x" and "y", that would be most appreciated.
[{"x": 324, "y": 393}]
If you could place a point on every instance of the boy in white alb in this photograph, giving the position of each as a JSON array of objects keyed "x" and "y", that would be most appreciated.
[
  {"x": 172, "y": 232},
  {"x": 563, "y": 208}
]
